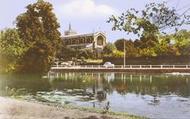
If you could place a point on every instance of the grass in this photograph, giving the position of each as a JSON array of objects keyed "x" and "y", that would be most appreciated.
[
  {"x": 90, "y": 110},
  {"x": 101, "y": 111}
]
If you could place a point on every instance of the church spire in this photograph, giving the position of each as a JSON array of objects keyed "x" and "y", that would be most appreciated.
[
  {"x": 70, "y": 27},
  {"x": 70, "y": 31}
]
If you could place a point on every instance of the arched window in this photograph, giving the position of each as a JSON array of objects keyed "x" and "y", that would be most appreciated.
[{"x": 100, "y": 40}]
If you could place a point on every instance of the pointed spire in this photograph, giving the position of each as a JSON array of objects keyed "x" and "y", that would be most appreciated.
[
  {"x": 70, "y": 27},
  {"x": 70, "y": 31}
]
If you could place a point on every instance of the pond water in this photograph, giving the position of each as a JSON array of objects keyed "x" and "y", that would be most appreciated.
[{"x": 149, "y": 95}]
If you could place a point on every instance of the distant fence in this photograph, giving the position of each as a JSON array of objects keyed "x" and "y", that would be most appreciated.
[{"x": 121, "y": 67}]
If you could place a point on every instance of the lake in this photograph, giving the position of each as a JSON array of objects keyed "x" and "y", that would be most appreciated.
[{"x": 149, "y": 95}]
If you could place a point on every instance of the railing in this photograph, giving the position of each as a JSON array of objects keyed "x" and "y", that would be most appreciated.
[{"x": 121, "y": 67}]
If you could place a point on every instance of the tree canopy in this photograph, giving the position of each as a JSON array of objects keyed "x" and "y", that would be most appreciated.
[
  {"x": 148, "y": 23},
  {"x": 38, "y": 28}
]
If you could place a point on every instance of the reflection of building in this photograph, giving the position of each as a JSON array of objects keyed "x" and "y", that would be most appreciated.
[
  {"x": 93, "y": 41},
  {"x": 109, "y": 76}
]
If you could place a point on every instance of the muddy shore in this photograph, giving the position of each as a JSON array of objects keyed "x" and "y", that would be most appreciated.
[{"x": 18, "y": 109}]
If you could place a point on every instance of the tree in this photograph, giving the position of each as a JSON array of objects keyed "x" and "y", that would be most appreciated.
[
  {"x": 162, "y": 48},
  {"x": 130, "y": 49},
  {"x": 11, "y": 50},
  {"x": 119, "y": 44},
  {"x": 117, "y": 54},
  {"x": 182, "y": 37},
  {"x": 109, "y": 49},
  {"x": 149, "y": 23},
  {"x": 179, "y": 42},
  {"x": 147, "y": 52},
  {"x": 38, "y": 28},
  {"x": 66, "y": 53},
  {"x": 86, "y": 53}
]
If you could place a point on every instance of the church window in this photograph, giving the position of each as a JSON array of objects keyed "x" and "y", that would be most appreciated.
[{"x": 100, "y": 40}]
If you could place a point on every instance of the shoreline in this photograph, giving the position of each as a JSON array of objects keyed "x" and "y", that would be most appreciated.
[{"x": 19, "y": 109}]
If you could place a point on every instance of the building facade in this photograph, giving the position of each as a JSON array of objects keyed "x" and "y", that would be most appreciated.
[{"x": 92, "y": 41}]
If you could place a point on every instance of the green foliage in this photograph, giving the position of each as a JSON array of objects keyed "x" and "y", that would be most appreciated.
[
  {"x": 147, "y": 52},
  {"x": 87, "y": 54},
  {"x": 109, "y": 49},
  {"x": 174, "y": 44},
  {"x": 67, "y": 53},
  {"x": 11, "y": 50},
  {"x": 38, "y": 58},
  {"x": 168, "y": 45},
  {"x": 130, "y": 49},
  {"x": 38, "y": 28},
  {"x": 163, "y": 47},
  {"x": 118, "y": 54},
  {"x": 119, "y": 44},
  {"x": 185, "y": 50},
  {"x": 153, "y": 18},
  {"x": 182, "y": 41},
  {"x": 148, "y": 24}
]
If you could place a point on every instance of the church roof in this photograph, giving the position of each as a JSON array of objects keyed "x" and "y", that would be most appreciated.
[{"x": 82, "y": 35}]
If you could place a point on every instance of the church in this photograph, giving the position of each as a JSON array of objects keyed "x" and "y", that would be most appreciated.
[{"x": 92, "y": 41}]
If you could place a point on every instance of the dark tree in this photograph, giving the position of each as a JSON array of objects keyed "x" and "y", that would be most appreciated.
[
  {"x": 130, "y": 49},
  {"x": 119, "y": 44},
  {"x": 38, "y": 28}
]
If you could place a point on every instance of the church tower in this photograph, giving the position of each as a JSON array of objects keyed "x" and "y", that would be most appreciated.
[{"x": 70, "y": 31}]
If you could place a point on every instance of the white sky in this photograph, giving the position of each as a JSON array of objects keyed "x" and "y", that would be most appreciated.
[{"x": 85, "y": 16}]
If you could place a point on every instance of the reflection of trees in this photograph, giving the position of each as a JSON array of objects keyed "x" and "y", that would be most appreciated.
[
  {"x": 72, "y": 83},
  {"x": 31, "y": 83},
  {"x": 93, "y": 82},
  {"x": 152, "y": 85},
  {"x": 123, "y": 83},
  {"x": 119, "y": 86}
]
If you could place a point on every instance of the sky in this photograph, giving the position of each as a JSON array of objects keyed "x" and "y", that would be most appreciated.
[{"x": 85, "y": 16}]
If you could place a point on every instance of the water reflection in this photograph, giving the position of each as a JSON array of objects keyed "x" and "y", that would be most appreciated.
[
  {"x": 154, "y": 85},
  {"x": 125, "y": 92}
]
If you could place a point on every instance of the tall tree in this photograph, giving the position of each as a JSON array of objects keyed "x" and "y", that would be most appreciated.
[{"x": 38, "y": 28}]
